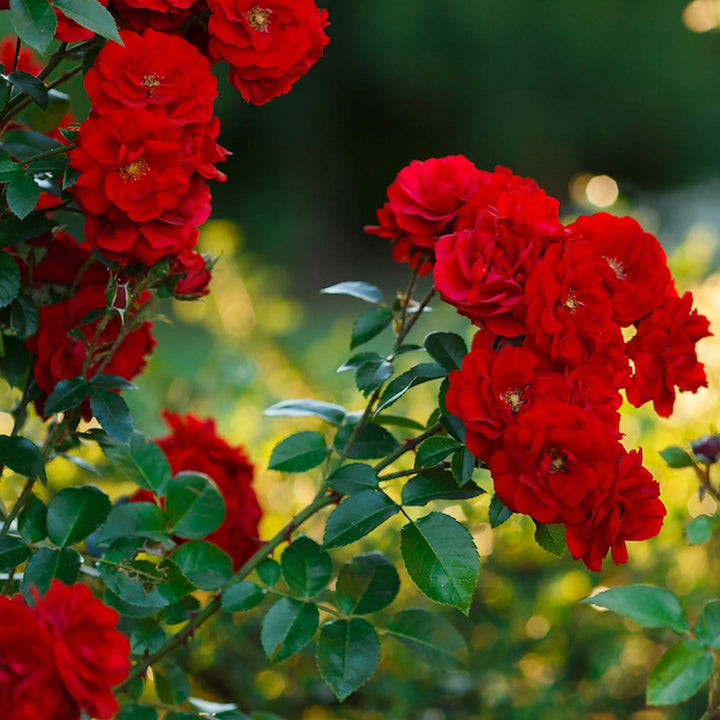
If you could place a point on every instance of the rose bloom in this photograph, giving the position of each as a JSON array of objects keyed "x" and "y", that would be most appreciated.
[
  {"x": 160, "y": 73},
  {"x": 631, "y": 262},
  {"x": 194, "y": 445},
  {"x": 423, "y": 202},
  {"x": 31, "y": 687},
  {"x": 269, "y": 44},
  {"x": 168, "y": 16},
  {"x": 92, "y": 656},
  {"x": 663, "y": 352},
  {"x": 190, "y": 275}
]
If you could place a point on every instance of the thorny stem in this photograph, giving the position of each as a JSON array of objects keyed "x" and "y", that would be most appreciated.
[
  {"x": 407, "y": 446},
  {"x": 21, "y": 102},
  {"x": 322, "y": 500}
]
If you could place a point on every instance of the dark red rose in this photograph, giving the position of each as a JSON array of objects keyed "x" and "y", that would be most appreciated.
[
  {"x": 92, "y": 656},
  {"x": 160, "y": 73},
  {"x": 423, "y": 202},
  {"x": 631, "y": 262},
  {"x": 190, "y": 275},
  {"x": 630, "y": 509},
  {"x": 663, "y": 352},
  {"x": 31, "y": 687},
  {"x": 269, "y": 44},
  {"x": 134, "y": 16}
]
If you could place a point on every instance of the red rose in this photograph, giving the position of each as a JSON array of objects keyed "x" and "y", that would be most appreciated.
[
  {"x": 192, "y": 275},
  {"x": 269, "y": 45},
  {"x": 30, "y": 685},
  {"x": 92, "y": 656},
  {"x": 663, "y": 352},
  {"x": 159, "y": 73},
  {"x": 423, "y": 202},
  {"x": 631, "y": 262},
  {"x": 202, "y": 150}
]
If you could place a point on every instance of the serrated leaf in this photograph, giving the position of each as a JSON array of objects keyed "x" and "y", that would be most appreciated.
[
  {"x": 34, "y": 21},
  {"x": 431, "y": 639},
  {"x": 370, "y": 324},
  {"x": 353, "y": 478},
  {"x": 497, "y": 512},
  {"x": 356, "y": 516},
  {"x": 68, "y": 393},
  {"x": 681, "y": 672},
  {"x": 287, "y": 627},
  {"x": 171, "y": 683},
  {"x": 128, "y": 609},
  {"x": 551, "y": 538},
  {"x": 373, "y": 441},
  {"x": 203, "y": 563},
  {"x": 113, "y": 414},
  {"x": 347, "y": 654},
  {"x": 398, "y": 421},
  {"x": 306, "y": 567},
  {"x": 141, "y": 461},
  {"x": 75, "y": 512},
  {"x": 462, "y": 466},
  {"x": 31, "y": 520},
  {"x": 269, "y": 572},
  {"x": 424, "y": 372},
  {"x": 24, "y": 144},
  {"x": 371, "y": 374},
  {"x": 331, "y": 413},
  {"x": 647, "y": 605},
  {"x": 14, "y": 231},
  {"x": 111, "y": 382},
  {"x": 699, "y": 529},
  {"x": 241, "y": 596},
  {"x": 446, "y": 349},
  {"x": 357, "y": 360},
  {"x": 442, "y": 560},
  {"x": 90, "y": 14},
  {"x": 9, "y": 279},
  {"x": 454, "y": 426},
  {"x": 131, "y": 520},
  {"x": 146, "y": 637},
  {"x": 22, "y": 456},
  {"x": 15, "y": 363},
  {"x": 32, "y": 86},
  {"x": 47, "y": 564},
  {"x": 707, "y": 628},
  {"x": 299, "y": 452},
  {"x": 24, "y": 316},
  {"x": 423, "y": 488},
  {"x": 194, "y": 506},
  {"x": 434, "y": 450},
  {"x": 361, "y": 290},
  {"x": 676, "y": 457},
  {"x": 366, "y": 584},
  {"x": 13, "y": 552}
]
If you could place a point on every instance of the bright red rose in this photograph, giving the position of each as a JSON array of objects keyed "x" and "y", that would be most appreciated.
[
  {"x": 190, "y": 275},
  {"x": 269, "y": 45},
  {"x": 202, "y": 150},
  {"x": 423, "y": 202},
  {"x": 630, "y": 509},
  {"x": 30, "y": 685},
  {"x": 130, "y": 164},
  {"x": 631, "y": 262},
  {"x": 553, "y": 456},
  {"x": 159, "y": 73},
  {"x": 92, "y": 656},
  {"x": 663, "y": 352}
]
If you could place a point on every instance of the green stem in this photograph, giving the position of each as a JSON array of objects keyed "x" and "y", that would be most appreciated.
[
  {"x": 407, "y": 446},
  {"x": 48, "y": 153},
  {"x": 19, "y": 505},
  {"x": 414, "y": 471},
  {"x": 322, "y": 500}
]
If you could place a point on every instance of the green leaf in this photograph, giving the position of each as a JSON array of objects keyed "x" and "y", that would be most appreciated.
[
  {"x": 373, "y": 441},
  {"x": 124, "y": 607},
  {"x": 462, "y": 466},
  {"x": 361, "y": 290},
  {"x": 551, "y": 538},
  {"x": 431, "y": 639},
  {"x": 31, "y": 520},
  {"x": 76, "y": 512},
  {"x": 137, "y": 712},
  {"x": 134, "y": 520},
  {"x": 22, "y": 456},
  {"x": 111, "y": 382},
  {"x": 241, "y": 596},
  {"x": 112, "y": 413},
  {"x": 45, "y": 121},
  {"x": 146, "y": 637},
  {"x": 15, "y": 363},
  {"x": 24, "y": 316},
  {"x": 370, "y": 324},
  {"x": 173, "y": 586},
  {"x": 9, "y": 279},
  {"x": 306, "y": 567},
  {"x": 299, "y": 452},
  {"x": 421, "y": 489},
  {"x": 498, "y": 513},
  {"x": 194, "y": 506},
  {"x": 699, "y": 529},
  {"x": 13, "y": 552},
  {"x": 141, "y": 461},
  {"x": 707, "y": 627},
  {"x": 357, "y": 360},
  {"x": 446, "y": 349},
  {"x": 454, "y": 426},
  {"x": 90, "y": 14},
  {"x": 399, "y": 421},
  {"x": 333, "y": 414},
  {"x": 676, "y": 457},
  {"x": 9, "y": 169},
  {"x": 14, "y": 231},
  {"x": 371, "y": 374},
  {"x": 34, "y": 21},
  {"x": 353, "y": 478},
  {"x": 356, "y": 516},
  {"x": 434, "y": 450},
  {"x": 24, "y": 144},
  {"x": 424, "y": 372},
  {"x": 366, "y": 584},
  {"x": 347, "y": 654},
  {"x": 203, "y": 563},
  {"x": 181, "y": 611},
  {"x": 171, "y": 683},
  {"x": 287, "y": 627},
  {"x": 681, "y": 672},
  {"x": 647, "y": 605},
  {"x": 47, "y": 564},
  {"x": 442, "y": 559},
  {"x": 269, "y": 572},
  {"x": 68, "y": 393},
  {"x": 32, "y": 86}
]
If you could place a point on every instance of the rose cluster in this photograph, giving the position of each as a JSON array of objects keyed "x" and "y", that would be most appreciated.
[
  {"x": 60, "y": 657},
  {"x": 194, "y": 444},
  {"x": 539, "y": 392}
]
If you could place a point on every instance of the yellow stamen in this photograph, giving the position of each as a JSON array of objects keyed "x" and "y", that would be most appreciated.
[
  {"x": 134, "y": 170},
  {"x": 258, "y": 18}
]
